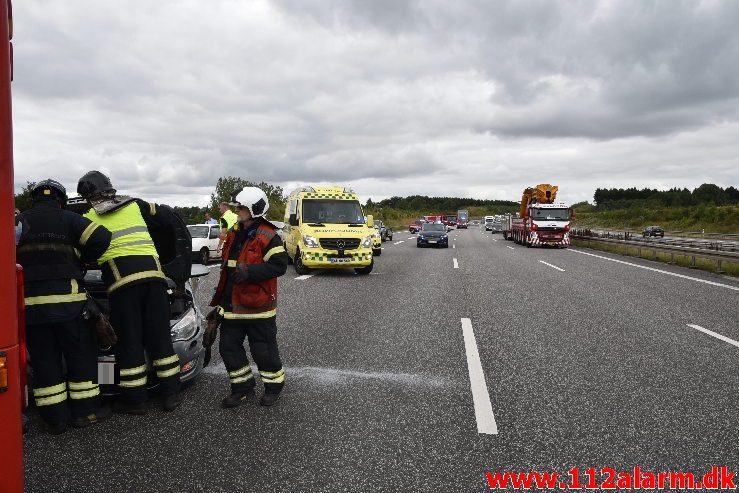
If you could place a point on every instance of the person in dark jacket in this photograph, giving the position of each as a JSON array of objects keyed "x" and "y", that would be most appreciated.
[
  {"x": 246, "y": 300},
  {"x": 53, "y": 246},
  {"x": 137, "y": 292}
]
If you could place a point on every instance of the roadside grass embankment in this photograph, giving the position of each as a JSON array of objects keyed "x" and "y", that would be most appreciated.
[{"x": 727, "y": 268}]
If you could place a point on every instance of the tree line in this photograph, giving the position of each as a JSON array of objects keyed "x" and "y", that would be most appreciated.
[
  {"x": 624, "y": 198},
  {"x": 437, "y": 204}
]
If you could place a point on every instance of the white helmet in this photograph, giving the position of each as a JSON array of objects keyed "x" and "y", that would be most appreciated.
[{"x": 252, "y": 198}]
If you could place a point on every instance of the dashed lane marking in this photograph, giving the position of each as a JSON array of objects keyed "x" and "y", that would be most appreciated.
[
  {"x": 510, "y": 247},
  {"x": 682, "y": 276},
  {"x": 494, "y": 239},
  {"x": 714, "y": 334},
  {"x": 456, "y": 264},
  {"x": 454, "y": 246},
  {"x": 480, "y": 396},
  {"x": 399, "y": 242},
  {"x": 552, "y": 266},
  {"x": 304, "y": 277}
]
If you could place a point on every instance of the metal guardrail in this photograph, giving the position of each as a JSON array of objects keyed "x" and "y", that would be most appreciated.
[
  {"x": 726, "y": 245},
  {"x": 718, "y": 256}
]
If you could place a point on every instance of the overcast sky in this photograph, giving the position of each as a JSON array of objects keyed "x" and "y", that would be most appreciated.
[{"x": 473, "y": 98}]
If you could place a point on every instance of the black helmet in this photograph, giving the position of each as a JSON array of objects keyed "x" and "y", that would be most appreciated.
[
  {"x": 94, "y": 183},
  {"x": 50, "y": 189}
]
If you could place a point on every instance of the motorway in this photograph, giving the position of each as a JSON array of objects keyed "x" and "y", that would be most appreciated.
[{"x": 583, "y": 362}]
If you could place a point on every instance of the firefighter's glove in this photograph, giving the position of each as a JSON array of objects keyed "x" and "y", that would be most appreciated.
[
  {"x": 240, "y": 274},
  {"x": 213, "y": 321}
]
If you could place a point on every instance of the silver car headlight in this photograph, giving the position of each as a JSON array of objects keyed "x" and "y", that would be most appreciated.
[
  {"x": 367, "y": 242},
  {"x": 310, "y": 241},
  {"x": 185, "y": 327}
]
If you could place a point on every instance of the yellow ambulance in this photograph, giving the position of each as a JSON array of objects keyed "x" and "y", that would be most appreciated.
[{"x": 325, "y": 228}]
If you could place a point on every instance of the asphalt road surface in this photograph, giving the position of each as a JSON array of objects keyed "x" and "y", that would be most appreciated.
[{"x": 583, "y": 361}]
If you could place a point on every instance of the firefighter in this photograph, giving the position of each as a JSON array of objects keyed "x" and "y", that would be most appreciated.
[
  {"x": 227, "y": 220},
  {"x": 137, "y": 292},
  {"x": 246, "y": 300},
  {"x": 53, "y": 246}
]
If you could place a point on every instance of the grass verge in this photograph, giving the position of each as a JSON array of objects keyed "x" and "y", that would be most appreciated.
[{"x": 729, "y": 268}]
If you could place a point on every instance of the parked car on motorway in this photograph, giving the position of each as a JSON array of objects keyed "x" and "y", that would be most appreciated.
[
  {"x": 204, "y": 242},
  {"x": 385, "y": 232},
  {"x": 653, "y": 231},
  {"x": 433, "y": 234},
  {"x": 416, "y": 226}
]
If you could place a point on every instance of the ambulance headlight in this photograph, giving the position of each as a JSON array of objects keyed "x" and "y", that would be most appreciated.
[
  {"x": 310, "y": 241},
  {"x": 185, "y": 327},
  {"x": 367, "y": 242}
]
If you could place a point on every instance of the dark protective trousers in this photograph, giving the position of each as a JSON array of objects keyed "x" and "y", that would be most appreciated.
[
  {"x": 54, "y": 393},
  {"x": 140, "y": 316},
  {"x": 262, "y": 336}
]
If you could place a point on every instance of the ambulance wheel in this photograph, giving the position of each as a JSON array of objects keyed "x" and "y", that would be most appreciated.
[
  {"x": 204, "y": 256},
  {"x": 377, "y": 252},
  {"x": 289, "y": 260},
  {"x": 300, "y": 268},
  {"x": 365, "y": 270}
]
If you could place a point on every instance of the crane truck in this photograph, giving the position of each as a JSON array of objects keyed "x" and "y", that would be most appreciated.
[{"x": 541, "y": 220}]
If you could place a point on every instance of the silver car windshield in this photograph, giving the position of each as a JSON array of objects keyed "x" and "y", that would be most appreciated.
[{"x": 198, "y": 231}]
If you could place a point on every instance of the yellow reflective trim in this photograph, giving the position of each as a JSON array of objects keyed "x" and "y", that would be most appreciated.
[
  {"x": 81, "y": 385},
  {"x": 272, "y": 374},
  {"x": 75, "y": 286},
  {"x": 135, "y": 277},
  {"x": 152, "y": 208},
  {"x": 247, "y": 316},
  {"x": 54, "y": 399},
  {"x": 242, "y": 379},
  {"x": 168, "y": 373},
  {"x": 114, "y": 269},
  {"x": 159, "y": 266},
  {"x": 231, "y": 263},
  {"x": 133, "y": 383},
  {"x": 272, "y": 251},
  {"x": 87, "y": 233},
  {"x": 55, "y": 298},
  {"x": 84, "y": 394},
  {"x": 167, "y": 361},
  {"x": 279, "y": 379},
  {"x": 240, "y": 371},
  {"x": 54, "y": 389},
  {"x": 125, "y": 372}
]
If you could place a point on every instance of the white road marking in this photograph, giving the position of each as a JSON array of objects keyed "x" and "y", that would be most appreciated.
[
  {"x": 714, "y": 334},
  {"x": 412, "y": 237},
  {"x": 456, "y": 264},
  {"x": 454, "y": 246},
  {"x": 480, "y": 396},
  {"x": 682, "y": 276},
  {"x": 304, "y": 277},
  {"x": 510, "y": 247},
  {"x": 494, "y": 239},
  {"x": 399, "y": 242},
  {"x": 552, "y": 266}
]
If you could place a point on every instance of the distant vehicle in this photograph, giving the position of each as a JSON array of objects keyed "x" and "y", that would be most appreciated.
[
  {"x": 541, "y": 221},
  {"x": 433, "y": 234},
  {"x": 496, "y": 226},
  {"x": 650, "y": 231},
  {"x": 463, "y": 219},
  {"x": 204, "y": 242},
  {"x": 416, "y": 226},
  {"x": 385, "y": 232},
  {"x": 489, "y": 220}
]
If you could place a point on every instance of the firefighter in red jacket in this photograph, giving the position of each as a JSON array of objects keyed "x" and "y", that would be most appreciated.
[{"x": 246, "y": 299}]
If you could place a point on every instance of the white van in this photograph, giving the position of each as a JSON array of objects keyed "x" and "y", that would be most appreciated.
[{"x": 205, "y": 242}]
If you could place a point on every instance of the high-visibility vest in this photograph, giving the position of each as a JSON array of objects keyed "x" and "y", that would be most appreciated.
[
  {"x": 230, "y": 217},
  {"x": 130, "y": 234}
]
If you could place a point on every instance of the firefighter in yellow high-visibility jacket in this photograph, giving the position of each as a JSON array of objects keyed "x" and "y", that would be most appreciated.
[{"x": 137, "y": 293}]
